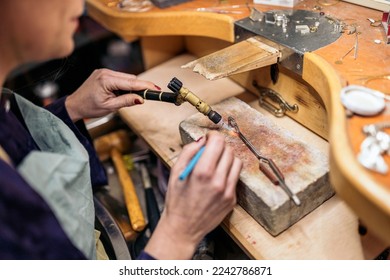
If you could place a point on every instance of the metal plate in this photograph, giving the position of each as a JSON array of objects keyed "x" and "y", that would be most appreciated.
[{"x": 291, "y": 40}]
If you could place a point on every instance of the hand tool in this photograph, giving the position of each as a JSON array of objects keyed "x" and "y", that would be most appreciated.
[
  {"x": 149, "y": 94},
  {"x": 119, "y": 139},
  {"x": 134, "y": 209},
  {"x": 152, "y": 209},
  {"x": 218, "y": 10},
  {"x": 340, "y": 61},
  {"x": 191, "y": 164},
  {"x": 274, "y": 175},
  {"x": 179, "y": 95},
  {"x": 355, "y": 55},
  {"x": 111, "y": 232},
  {"x": 118, "y": 212}
]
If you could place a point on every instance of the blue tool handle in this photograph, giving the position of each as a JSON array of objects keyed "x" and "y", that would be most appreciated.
[{"x": 191, "y": 165}]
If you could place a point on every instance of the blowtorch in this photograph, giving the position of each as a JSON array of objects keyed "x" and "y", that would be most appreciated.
[{"x": 179, "y": 95}]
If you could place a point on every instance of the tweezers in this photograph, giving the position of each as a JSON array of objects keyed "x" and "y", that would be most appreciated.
[{"x": 274, "y": 175}]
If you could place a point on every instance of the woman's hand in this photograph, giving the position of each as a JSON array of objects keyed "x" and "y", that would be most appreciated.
[
  {"x": 95, "y": 97},
  {"x": 198, "y": 204}
]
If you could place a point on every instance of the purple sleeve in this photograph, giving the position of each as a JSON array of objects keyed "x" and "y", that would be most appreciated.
[
  {"x": 98, "y": 173},
  {"x": 145, "y": 256},
  {"x": 28, "y": 227}
]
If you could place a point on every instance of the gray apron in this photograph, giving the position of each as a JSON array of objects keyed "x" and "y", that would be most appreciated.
[{"x": 60, "y": 173}]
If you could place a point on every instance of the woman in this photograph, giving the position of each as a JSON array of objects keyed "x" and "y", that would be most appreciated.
[{"x": 48, "y": 167}]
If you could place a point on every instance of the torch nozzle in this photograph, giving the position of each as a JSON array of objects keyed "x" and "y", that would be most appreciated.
[{"x": 175, "y": 85}]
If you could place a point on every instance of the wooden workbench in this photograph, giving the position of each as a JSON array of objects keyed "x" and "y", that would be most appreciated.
[{"x": 329, "y": 232}]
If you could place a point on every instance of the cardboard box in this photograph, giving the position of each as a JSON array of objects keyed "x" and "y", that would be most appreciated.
[{"x": 283, "y": 3}]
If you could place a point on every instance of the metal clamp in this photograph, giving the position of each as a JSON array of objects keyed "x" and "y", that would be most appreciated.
[{"x": 275, "y": 98}]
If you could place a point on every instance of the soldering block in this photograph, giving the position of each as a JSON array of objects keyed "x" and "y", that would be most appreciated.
[{"x": 304, "y": 167}]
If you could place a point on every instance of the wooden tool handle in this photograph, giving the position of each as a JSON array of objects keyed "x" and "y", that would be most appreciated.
[
  {"x": 118, "y": 213},
  {"x": 118, "y": 139},
  {"x": 133, "y": 206},
  {"x": 270, "y": 175},
  {"x": 276, "y": 170}
]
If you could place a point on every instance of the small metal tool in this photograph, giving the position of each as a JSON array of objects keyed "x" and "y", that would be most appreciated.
[
  {"x": 256, "y": 15},
  {"x": 152, "y": 209},
  {"x": 269, "y": 97},
  {"x": 275, "y": 175},
  {"x": 374, "y": 23},
  {"x": 228, "y": 9},
  {"x": 217, "y": 11},
  {"x": 340, "y": 61},
  {"x": 355, "y": 55}
]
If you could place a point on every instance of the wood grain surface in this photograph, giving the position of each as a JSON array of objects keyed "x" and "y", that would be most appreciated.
[
  {"x": 304, "y": 167},
  {"x": 365, "y": 191},
  {"x": 329, "y": 232},
  {"x": 137, "y": 219},
  {"x": 244, "y": 56}
]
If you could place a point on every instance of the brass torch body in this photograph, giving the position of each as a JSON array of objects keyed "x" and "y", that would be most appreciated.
[{"x": 199, "y": 104}]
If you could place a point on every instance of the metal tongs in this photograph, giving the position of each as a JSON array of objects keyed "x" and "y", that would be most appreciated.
[{"x": 274, "y": 175}]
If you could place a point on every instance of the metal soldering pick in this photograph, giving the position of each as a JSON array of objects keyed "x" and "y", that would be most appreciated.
[
  {"x": 276, "y": 175},
  {"x": 356, "y": 45}
]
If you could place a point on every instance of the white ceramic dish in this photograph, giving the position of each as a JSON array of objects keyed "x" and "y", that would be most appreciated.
[{"x": 362, "y": 101}]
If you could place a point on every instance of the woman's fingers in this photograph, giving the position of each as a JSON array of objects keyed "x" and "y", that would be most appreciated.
[
  {"x": 186, "y": 155},
  {"x": 124, "y": 101},
  {"x": 213, "y": 151},
  {"x": 124, "y": 81}
]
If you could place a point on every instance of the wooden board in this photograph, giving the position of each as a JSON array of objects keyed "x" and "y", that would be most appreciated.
[
  {"x": 241, "y": 57},
  {"x": 367, "y": 193},
  {"x": 330, "y": 231},
  {"x": 180, "y": 19},
  {"x": 304, "y": 167},
  {"x": 380, "y": 5}
]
